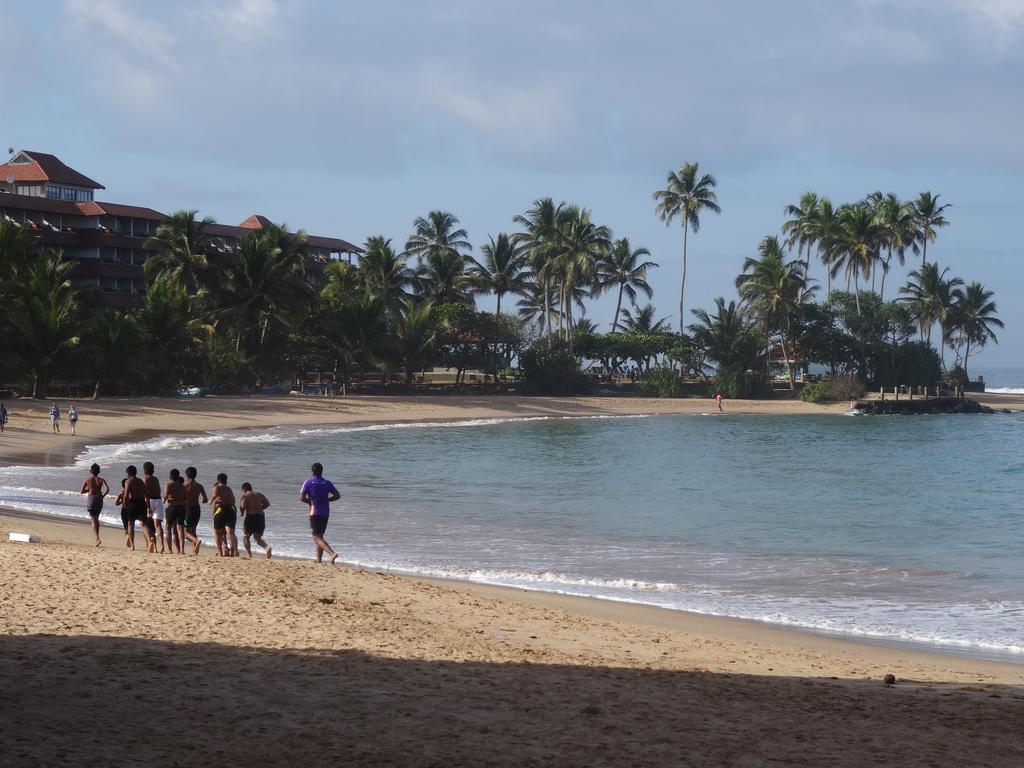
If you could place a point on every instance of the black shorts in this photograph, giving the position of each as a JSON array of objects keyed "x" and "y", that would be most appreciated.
[
  {"x": 192, "y": 514},
  {"x": 318, "y": 524},
  {"x": 254, "y": 525},
  {"x": 137, "y": 510},
  {"x": 175, "y": 514},
  {"x": 224, "y": 517},
  {"x": 94, "y": 504}
]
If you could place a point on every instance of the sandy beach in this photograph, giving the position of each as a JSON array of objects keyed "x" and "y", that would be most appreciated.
[{"x": 285, "y": 662}]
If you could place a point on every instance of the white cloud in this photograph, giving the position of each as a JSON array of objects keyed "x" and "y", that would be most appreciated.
[
  {"x": 247, "y": 19},
  {"x": 142, "y": 38}
]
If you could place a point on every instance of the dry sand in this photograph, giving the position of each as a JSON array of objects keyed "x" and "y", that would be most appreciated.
[{"x": 116, "y": 658}]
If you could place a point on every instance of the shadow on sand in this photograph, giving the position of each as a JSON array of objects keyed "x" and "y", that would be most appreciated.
[{"x": 85, "y": 700}]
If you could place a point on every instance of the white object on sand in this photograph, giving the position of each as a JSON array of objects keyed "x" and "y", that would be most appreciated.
[{"x": 25, "y": 537}]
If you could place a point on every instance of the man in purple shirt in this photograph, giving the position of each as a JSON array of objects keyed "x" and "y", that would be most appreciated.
[{"x": 319, "y": 493}]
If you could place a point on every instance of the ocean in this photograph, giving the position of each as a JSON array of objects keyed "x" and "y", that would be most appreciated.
[{"x": 888, "y": 529}]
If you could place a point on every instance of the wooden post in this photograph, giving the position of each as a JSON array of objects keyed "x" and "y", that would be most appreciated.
[
  {"x": 910, "y": 391},
  {"x": 881, "y": 393},
  {"x": 896, "y": 392}
]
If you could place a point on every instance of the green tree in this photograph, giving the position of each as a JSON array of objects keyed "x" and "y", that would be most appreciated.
[
  {"x": 113, "y": 338},
  {"x": 581, "y": 244},
  {"x": 973, "y": 319},
  {"x": 854, "y": 248},
  {"x": 165, "y": 323},
  {"x": 341, "y": 279},
  {"x": 621, "y": 268},
  {"x": 416, "y": 333},
  {"x": 929, "y": 216},
  {"x": 897, "y": 230},
  {"x": 503, "y": 270},
  {"x": 774, "y": 291},
  {"x": 687, "y": 194},
  {"x": 386, "y": 274},
  {"x": 800, "y": 227},
  {"x": 643, "y": 320},
  {"x": 930, "y": 294},
  {"x": 821, "y": 231},
  {"x": 44, "y": 320},
  {"x": 539, "y": 240},
  {"x": 181, "y": 246},
  {"x": 733, "y": 344}
]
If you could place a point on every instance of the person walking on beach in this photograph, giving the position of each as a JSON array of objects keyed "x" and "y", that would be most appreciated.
[
  {"x": 156, "y": 504},
  {"x": 55, "y": 419},
  {"x": 225, "y": 517},
  {"x": 136, "y": 505},
  {"x": 253, "y": 506},
  {"x": 73, "y": 418},
  {"x": 319, "y": 492},
  {"x": 96, "y": 488},
  {"x": 174, "y": 498},
  {"x": 194, "y": 493},
  {"x": 718, "y": 400},
  {"x": 3, "y": 417}
]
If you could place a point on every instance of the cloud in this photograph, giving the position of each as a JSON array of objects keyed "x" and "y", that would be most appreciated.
[
  {"x": 143, "y": 38},
  {"x": 247, "y": 19}
]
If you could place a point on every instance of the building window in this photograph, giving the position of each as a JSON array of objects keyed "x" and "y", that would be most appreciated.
[
  {"x": 32, "y": 190},
  {"x": 83, "y": 195}
]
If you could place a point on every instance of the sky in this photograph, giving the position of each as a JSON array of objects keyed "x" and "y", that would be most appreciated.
[{"x": 351, "y": 119}]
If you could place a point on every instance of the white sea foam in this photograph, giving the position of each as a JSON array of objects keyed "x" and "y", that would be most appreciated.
[{"x": 1004, "y": 390}]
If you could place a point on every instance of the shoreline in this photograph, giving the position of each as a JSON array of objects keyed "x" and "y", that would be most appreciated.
[{"x": 1006, "y": 667}]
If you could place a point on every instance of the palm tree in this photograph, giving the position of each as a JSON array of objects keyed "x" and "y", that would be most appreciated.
[
  {"x": 537, "y": 306},
  {"x": 800, "y": 226},
  {"x": 973, "y": 318},
  {"x": 539, "y": 240},
  {"x": 266, "y": 285},
  {"x": 643, "y": 320},
  {"x": 441, "y": 277},
  {"x": 897, "y": 229},
  {"x": 855, "y": 246},
  {"x": 501, "y": 271},
  {"x": 928, "y": 215},
  {"x": 822, "y": 229},
  {"x": 416, "y": 334},
  {"x": 930, "y": 294},
  {"x": 774, "y": 291},
  {"x": 180, "y": 245},
  {"x": 437, "y": 235},
  {"x": 621, "y": 267},
  {"x": 340, "y": 279},
  {"x": 15, "y": 244},
  {"x": 686, "y": 195},
  {"x": 581, "y": 244},
  {"x": 385, "y": 273},
  {"x": 44, "y": 319},
  {"x": 113, "y": 336},
  {"x": 727, "y": 339}
]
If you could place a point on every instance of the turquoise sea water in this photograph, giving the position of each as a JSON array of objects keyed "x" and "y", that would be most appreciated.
[{"x": 893, "y": 528}]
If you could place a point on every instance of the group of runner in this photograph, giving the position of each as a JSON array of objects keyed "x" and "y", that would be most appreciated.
[{"x": 169, "y": 514}]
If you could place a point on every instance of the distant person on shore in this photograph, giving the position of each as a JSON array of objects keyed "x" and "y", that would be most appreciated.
[
  {"x": 174, "y": 498},
  {"x": 3, "y": 417},
  {"x": 96, "y": 488},
  {"x": 73, "y": 418},
  {"x": 156, "y": 504},
  {"x": 55, "y": 419},
  {"x": 253, "y": 506},
  {"x": 319, "y": 492},
  {"x": 136, "y": 506},
  {"x": 718, "y": 400},
  {"x": 194, "y": 493},
  {"x": 225, "y": 517}
]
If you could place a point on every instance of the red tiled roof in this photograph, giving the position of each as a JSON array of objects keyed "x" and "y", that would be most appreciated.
[
  {"x": 46, "y": 168},
  {"x": 256, "y": 222}
]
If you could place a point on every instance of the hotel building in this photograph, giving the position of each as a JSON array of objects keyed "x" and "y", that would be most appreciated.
[{"x": 107, "y": 241}]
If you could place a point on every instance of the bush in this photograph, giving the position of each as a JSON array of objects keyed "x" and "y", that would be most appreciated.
[
  {"x": 736, "y": 383},
  {"x": 550, "y": 368},
  {"x": 661, "y": 382},
  {"x": 955, "y": 377},
  {"x": 832, "y": 389}
]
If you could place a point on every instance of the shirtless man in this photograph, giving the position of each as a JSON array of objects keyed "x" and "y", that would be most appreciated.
[
  {"x": 254, "y": 522},
  {"x": 96, "y": 488},
  {"x": 136, "y": 503},
  {"x": 225, "y": 517},
  {"x": 194, "y": 493},
  {"x": 174, "y": 498},
  {"x": 156, "y": 504}
]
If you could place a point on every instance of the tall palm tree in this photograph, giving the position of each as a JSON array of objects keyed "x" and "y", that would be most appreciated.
[
  {"x": 438, "y": 234},
  {"x": 541, "y": 232},
  {"x": 537, "y": 306},
  {"x": 799, "y": 228},
  {"x": 581, "y": 244},
  {"x": 43, "y": 321},
  {"x": 621, "y": 267},
  {"x": 642, "y": 320},
  {"x": 340, "y": 279},
  {"x": 930, "y": 293},
  {"x": 897, "y": 229},
  {"x": 929, "y": 217},
  {"x": 856, "y": 244},
  {"x": 501, "y": 271},
  {"x": 385, "y": 273},
  {"x": 687, "y": 194},
  {"x": 15, "y": 244},
  {"x": 416, "y": 334},
  {"x": 821, "y": 231},
  {"x": 973, "y": 318},
  {"x": 180, "y": 246},
  {"x": 774, "y": 291},
  {"x": 442, "y": 278},
  {"x": 265, "y": 285},
  {"x": 114, "y": 334}
]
